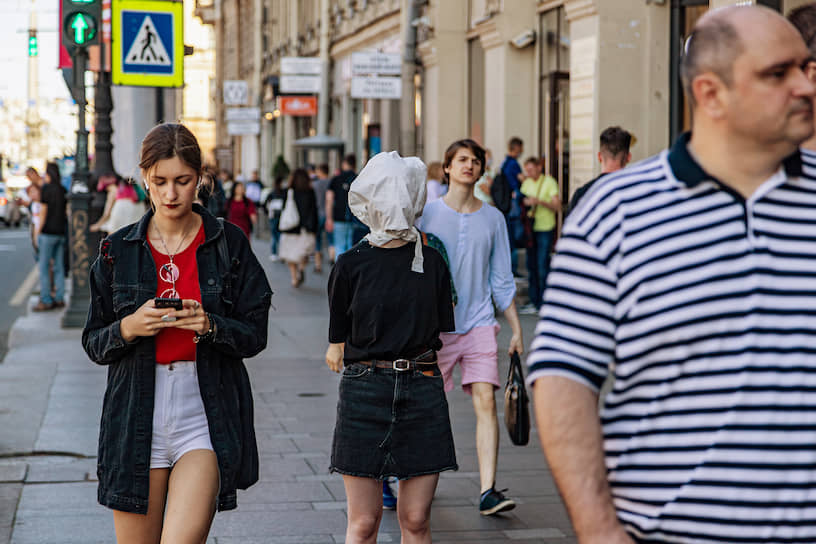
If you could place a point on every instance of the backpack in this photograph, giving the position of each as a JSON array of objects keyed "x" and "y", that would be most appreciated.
[{"x": 501, "y": 193}]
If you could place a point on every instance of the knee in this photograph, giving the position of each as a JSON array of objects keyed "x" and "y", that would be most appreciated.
[
  {"x": 415, "y": 521},
  {"x": 484, "y": 399},
  {"x": 364, "y": 526}
]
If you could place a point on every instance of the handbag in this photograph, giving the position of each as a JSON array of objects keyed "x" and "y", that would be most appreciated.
[
  {"x": 516, "y": 404},
  {"x": 290, "y": 218}
]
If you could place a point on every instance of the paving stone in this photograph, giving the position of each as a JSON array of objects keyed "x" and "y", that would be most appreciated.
[
  {"x": 13, "y": 471},
  {"x": 530, "y": 534}
]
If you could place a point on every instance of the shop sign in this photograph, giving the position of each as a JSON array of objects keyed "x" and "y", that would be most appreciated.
[
  {"x": 376, "y": 87},
  {"x": 376, "y": 63},
  {"x": 298, "y": 105}
]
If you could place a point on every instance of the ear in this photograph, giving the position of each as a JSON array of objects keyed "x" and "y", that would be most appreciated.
[
  {"x": 710, "y": 94},
  {"x": 600, "y": 159}
]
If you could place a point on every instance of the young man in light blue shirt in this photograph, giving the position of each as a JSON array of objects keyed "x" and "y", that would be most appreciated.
[{"x": 475, "y": 237}]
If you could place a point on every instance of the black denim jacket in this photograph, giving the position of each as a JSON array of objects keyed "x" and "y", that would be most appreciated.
[{"x": 235, "y": 291}]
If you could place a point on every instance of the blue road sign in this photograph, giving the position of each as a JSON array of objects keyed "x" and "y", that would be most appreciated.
[{"x": 147, "y": 40}]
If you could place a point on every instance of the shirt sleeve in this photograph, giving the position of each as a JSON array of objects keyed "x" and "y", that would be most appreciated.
[
  {"x": 502, "y": 284},
  {"x": 575, "y": 336},
  {"x": 339, "y": 305},
  {"x": 446, "y": 317}
]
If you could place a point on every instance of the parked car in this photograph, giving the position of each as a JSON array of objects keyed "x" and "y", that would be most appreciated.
[{"x": 9, "y": 210}]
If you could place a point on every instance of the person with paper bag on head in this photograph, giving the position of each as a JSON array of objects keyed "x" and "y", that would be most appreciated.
[{"x": 389, "y": 298}]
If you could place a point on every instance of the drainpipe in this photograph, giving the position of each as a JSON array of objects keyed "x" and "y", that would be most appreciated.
[
  {"x": 409, "y": 12},
  {"x": 325, "y": 65}
]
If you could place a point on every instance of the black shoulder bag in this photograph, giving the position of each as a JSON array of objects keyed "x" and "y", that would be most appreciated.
[{"x": 516, "y": 404}]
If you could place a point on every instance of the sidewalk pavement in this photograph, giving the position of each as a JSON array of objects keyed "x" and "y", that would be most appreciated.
[{"x": 50, "y": 404}]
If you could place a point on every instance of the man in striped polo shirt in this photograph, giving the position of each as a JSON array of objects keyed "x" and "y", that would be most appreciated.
[{"x": 691, "y": 278}]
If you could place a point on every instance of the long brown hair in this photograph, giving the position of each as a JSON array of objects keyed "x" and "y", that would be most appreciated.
[{"x": 299, "y": 180}]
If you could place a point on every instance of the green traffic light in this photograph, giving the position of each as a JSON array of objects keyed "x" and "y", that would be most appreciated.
[
  {"x": 81, "y": 27},
  {"x": 32, "y": 46}
]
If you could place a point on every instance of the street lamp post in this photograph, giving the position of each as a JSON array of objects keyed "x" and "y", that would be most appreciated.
[{"x": 79, "y": 30}]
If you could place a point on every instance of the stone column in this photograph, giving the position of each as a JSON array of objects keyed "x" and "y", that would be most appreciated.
[{"x": 619, "y": 75}]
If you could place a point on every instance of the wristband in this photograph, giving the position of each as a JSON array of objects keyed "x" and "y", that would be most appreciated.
[{"x": 207, "y": 336}]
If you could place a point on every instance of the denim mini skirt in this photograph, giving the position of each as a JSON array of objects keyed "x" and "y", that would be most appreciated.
[{"x": 391, "y": 423}]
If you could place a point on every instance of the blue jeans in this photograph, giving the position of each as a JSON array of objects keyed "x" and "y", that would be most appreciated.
[
  {"x": 52, "y": 247},
  {"x": 515, "y": 233},
  {"x": 342, "y": 237},
  {"x": 541, "y": 257},
  {"x": 275, "y": 235},
  {"x": 321, "y": 228}
]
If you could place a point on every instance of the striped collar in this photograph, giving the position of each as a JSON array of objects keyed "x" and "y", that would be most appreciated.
[{"x": 689, "y": 171}]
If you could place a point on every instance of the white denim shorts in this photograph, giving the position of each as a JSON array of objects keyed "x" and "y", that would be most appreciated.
[{"x": 179, "y": 420}]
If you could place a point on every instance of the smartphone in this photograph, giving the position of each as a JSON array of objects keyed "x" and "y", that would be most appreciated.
[{"x": 174, "y": 303}]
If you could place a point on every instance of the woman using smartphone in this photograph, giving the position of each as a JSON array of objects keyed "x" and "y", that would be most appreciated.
[
  {"x": 389, "y": 298},
  {"x": 178, "y": 301}
]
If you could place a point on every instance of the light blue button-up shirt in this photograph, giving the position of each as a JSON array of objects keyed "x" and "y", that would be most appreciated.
[{"x": 479, "y": 253}]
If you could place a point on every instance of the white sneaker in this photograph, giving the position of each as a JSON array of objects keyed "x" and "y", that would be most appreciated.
[
  {"x": 274, "y": 258},
  {"x": 528, "y": 309}
]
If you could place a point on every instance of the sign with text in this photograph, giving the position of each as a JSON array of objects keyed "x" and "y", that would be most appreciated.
[
  {"x": 243, "y": 128},
  {"x": 373, "y": 62},
  {"x": 300, "y": 66},
  {"x": 299, "y": 84},
  {"x": 298, "y": 105},
  {"x": 376, "y": 87},
  {"x": 243, "y": 114}
]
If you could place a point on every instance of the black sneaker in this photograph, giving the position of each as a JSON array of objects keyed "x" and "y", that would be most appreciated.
[{"x": 493, "y": 502}]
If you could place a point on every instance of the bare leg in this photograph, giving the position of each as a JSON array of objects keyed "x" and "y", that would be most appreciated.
[
  {"x": 487, "y": 433},
  {"x": 318, "y": 267},
  {"x": 191, "y": 498},
  {"x": 144, "y": 529},
  {"x": 293, "y": 271},
  {"x": 364, "y": 497},
  {"x": 414, "y": 508}
]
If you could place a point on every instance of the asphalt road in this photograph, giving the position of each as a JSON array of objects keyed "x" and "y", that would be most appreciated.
[{"x": 16, "y": 263}]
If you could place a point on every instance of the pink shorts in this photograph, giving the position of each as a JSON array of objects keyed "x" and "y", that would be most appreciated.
[{"x": 476, "y": 351}]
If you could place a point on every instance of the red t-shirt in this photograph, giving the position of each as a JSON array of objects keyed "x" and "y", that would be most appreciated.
[
  {"x": 174, "y": 344},
  {"x": 239, "y": 212}
]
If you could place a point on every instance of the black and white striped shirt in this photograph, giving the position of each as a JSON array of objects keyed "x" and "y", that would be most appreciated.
[{"x": 703, "y": 306}]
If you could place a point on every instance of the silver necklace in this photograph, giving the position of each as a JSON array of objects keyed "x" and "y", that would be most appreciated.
[{"x": 161, "y": 239}]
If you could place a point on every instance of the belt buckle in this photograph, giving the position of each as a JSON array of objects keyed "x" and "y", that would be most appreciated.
[{"x": 401, "y": 365}]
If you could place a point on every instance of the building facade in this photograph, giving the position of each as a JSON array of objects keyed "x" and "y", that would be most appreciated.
[{"x": 552, "y": 72}]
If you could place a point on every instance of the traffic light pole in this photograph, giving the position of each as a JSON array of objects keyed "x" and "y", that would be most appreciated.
[{"x": 80, "y": 202}]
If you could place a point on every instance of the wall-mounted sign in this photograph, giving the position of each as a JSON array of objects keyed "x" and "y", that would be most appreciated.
[
  {"x": 300, "y": 66},
  {"x": 236, "y": 92},
  {"x": 376, "y": 87},
  {"x": 299, "y": 84},
  {"x": 298, "y": 105},
  {"x": 243, "y": 114},
  {"x": 375, "y": 63},
  {"x": 243, "y": 128}
]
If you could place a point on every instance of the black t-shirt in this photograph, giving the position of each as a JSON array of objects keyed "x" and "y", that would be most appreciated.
[
  {"x": 53, "y": 196},
  {"x": 340, "y": 186},
  {"x": 383, "y": 310},
  {"x": 580, "y": 192}
]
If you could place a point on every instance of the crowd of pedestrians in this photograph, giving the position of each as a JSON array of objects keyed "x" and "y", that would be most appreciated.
[{"x": 682, "y": 286}]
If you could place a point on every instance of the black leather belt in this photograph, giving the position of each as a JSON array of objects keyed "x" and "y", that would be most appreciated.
[{"x": 425, "y": 361}]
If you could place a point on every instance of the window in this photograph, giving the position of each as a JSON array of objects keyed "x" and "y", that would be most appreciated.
[{"x": 554, "y": 95}]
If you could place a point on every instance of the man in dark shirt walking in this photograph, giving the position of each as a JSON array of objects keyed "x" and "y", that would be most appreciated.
[
  {"x": 613, "y": 156},
  {"x": 338, "y": 216},
  {"x": 50, "y": 239}
]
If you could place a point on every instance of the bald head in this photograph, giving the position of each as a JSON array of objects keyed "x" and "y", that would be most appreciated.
[{"x": 719, "y": 38}]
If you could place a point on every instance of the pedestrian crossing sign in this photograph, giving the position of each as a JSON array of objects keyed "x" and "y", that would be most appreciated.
[{"x": 148, "y": 43}]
